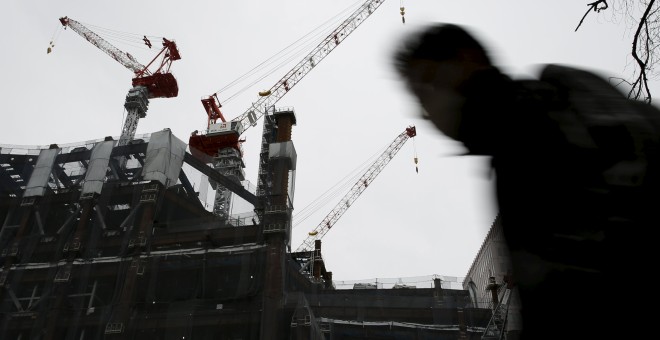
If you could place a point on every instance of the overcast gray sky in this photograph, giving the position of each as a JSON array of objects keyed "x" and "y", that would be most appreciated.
[{"x": 349, "y": 107}]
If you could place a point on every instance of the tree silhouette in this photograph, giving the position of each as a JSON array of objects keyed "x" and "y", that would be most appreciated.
[{"x": 644, "y": 17}]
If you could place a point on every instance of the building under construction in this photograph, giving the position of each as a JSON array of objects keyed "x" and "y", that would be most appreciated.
[
  {"x": 105, "y": 241},
  {"x": 110, "y": 239}
]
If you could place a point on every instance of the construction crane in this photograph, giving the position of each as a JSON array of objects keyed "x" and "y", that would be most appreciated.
[
  {"x": 221, "y": 140},
  {"x": 357, "y": 189},
  {"x": 147, "y": 84}
]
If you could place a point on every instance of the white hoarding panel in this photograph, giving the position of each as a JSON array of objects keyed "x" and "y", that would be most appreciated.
[
  {"x": 97, "y": 168},
  {"x": 164, "y": 158},
  {"x": 39, "y": 179}
]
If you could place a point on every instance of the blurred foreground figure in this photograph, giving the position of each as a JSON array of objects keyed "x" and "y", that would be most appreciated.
[{"x": 577, "y": 179}]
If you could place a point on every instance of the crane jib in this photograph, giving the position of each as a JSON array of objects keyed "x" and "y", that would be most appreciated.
[
  {"x": 376, "y": 167},
  {"x": 307, "y": 63}
]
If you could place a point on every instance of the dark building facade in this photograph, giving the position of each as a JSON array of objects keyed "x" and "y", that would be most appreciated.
[{"x": 100, "y": 241}]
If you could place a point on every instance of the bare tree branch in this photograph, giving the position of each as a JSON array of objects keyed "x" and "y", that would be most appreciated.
[
  {"x": 621, "y": 81},
  {"x": 642, "y": 80},
  {"x": 593, "y": 6},
  {"x": 642, "y": 20}
]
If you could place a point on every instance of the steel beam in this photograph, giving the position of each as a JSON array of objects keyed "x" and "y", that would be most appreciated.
[{"x": 235, "y": 187}]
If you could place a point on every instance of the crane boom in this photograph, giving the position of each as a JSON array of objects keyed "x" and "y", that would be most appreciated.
[
  {"x": 122, "y": 57},
  {"x": 160, "y": 83},
  {"x": 250, "y": 117},
  {"x": 286, "y": 83},
  {"x": 357, "y": 189}
]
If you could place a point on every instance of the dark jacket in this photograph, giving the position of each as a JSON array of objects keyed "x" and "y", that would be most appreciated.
[{"x": 577, "y": 187}]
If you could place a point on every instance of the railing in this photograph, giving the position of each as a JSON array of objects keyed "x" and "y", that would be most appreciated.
[
  {"x": 497, "y": 324},
  {"x": 277, "y": 227},
  {"x": 446, "y": 282},
  {"x": 15, "y": 149}
]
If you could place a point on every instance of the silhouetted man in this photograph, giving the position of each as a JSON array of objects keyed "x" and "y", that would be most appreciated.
[{"x": 576, "y": 167}]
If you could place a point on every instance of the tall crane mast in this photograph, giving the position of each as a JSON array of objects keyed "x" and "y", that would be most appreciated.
[
  {"x": 357, "y": 189},
  {"x": 147, "y": 84},
  {"x": 221, "y": 139}
]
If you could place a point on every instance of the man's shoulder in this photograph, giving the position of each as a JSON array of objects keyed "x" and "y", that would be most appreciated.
[
  {"x": 618, "y": 136},
  {"x": 597, "y": 104}
]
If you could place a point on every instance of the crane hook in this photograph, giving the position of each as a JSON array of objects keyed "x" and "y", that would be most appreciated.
[{"x": 146, "y": 41}]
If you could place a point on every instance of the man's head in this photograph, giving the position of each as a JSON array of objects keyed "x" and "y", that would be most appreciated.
[{"x": 436, "y": 64}]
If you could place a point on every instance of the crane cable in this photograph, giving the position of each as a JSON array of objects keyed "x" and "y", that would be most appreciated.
[
  {"x": 415, "y": 155},
  {"x": 267, "y": 62},
  {"x": 328, "y": 196},
  {"x": 120, "y": 37},
  {"x": 115, "y": 37},
  {"x": 266, "y": 74},
  {"x": 310, "y": 39},
  {"x": 53, "y": 38},
  {"x": 309, "y": 43},
  {"x": 343, "y": 184},
  {"x": 337, "y": 189}
]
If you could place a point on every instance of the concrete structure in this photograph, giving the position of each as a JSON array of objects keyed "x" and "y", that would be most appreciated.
[
  {"x": 95, "y": 249},
  {"x": 487, "y": 277}
]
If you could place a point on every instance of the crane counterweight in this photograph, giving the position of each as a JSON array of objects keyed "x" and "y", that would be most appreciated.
[{"x": 159, "y": 85}]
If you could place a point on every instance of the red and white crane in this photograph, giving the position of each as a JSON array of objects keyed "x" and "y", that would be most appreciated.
[
  {"x": 357, "y": 189},
  {"x": 147, "y": 84},
  {"x": 218, "y": 137},
  {"x": 222, "y": 139}
]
